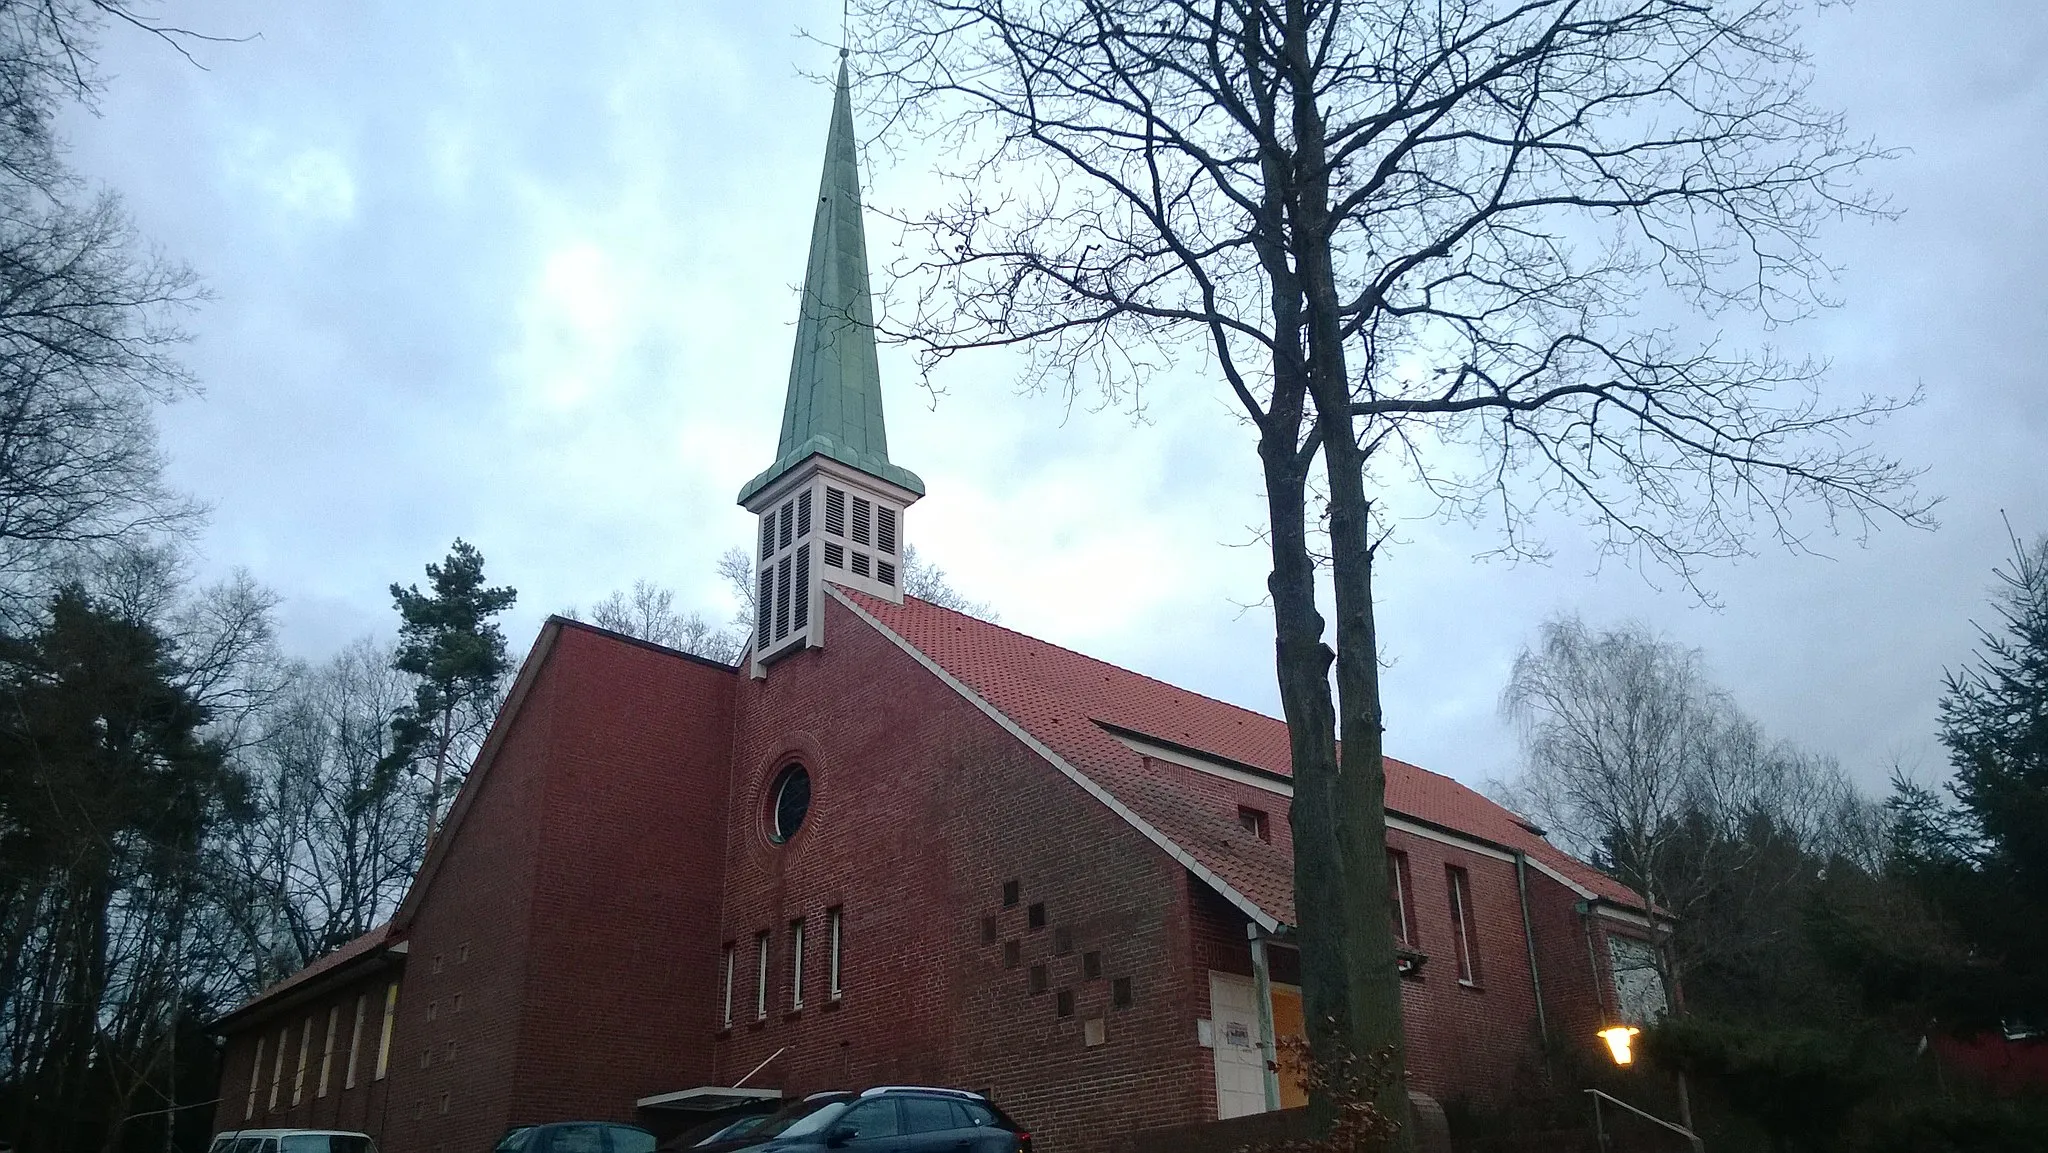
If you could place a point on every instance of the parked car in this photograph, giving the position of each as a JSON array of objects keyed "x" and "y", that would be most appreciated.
[
  {"x": 291, "y": 1141},
  {"x": 574, "y": 1137},
  {"x": 899, "y": 1119},
  {"x": 748, "y": 1131}
]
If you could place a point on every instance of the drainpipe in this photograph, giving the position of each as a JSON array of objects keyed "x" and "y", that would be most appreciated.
[
  {"x": 1529, "y": 937},
  {"x": 1262, "y": 978}
]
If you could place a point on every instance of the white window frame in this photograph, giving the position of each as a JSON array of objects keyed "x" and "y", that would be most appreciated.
[
  {"x": 1461, "y": 925},
  {"x": 355, "y": 1041},
  {"x": 284, "y": 1037},
  {"x": 327, "y": 1050},
  {"x": 731, "y": 961},
  {"x": 796, "y": 964},
  {"x": 761, "y": 976},
  {"x": 384, "y": 1040},
  {"x": 255, "y": 1079},
  {"x": 835, "y": 921},
  {"x": 1397, "y": 873}
]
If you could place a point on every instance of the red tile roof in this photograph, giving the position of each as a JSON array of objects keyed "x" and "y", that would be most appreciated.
[{"x": 1059, "y": 696}]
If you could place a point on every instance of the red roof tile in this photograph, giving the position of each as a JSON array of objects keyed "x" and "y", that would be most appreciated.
[{"x": 1058, "y": 696}]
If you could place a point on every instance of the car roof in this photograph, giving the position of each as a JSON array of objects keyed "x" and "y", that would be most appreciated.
[
  {"x": 940, "y": 1090},
  {"x": 288, "y": 1133}
]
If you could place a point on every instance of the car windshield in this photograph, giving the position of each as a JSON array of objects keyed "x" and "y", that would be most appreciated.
[
  {"x": 326, "y": 1143},
  {"x": 739, "y": 1128},
  {"x": 818, "y": 1116}
]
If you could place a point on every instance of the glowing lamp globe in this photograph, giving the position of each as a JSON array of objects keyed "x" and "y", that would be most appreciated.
[{"x": 1618, "y": 1038}]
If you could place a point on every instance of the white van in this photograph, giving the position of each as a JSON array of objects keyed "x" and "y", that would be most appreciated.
[{"x": 291, "y": 1141}]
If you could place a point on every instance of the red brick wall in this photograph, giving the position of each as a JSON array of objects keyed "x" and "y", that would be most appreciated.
[
  {"x": 360, "y": 1108},
  {"x": 922, "y": 808},
  {"x": 625, "y": 915}
]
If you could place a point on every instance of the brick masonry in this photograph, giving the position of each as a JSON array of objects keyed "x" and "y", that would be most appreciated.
[{"x": 564, "y": 955}]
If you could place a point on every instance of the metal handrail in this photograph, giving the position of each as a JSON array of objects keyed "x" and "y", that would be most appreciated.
[{"x": 1600, "y": 1127}]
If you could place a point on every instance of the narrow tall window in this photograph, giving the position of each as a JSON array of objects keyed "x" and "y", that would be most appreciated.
[
  {"x": 767, "y": 537},
  {"x": 782, "y": 599},
  {"x": 761, "y": 977},
  {"x": 305, "y": 1051},
  {"x": 803, "y": 514},
  {"x": 802, "y": 595},
  {"x": 1461, "y": 926},
  {"x": 863, "y": 523},
  {"x": 1400, "y": 901},
  {"x": 355, "y": 1041},
  {"x": 835, "y": 512},
  {"x": 764, "y": 617},
  {"x": 796, "y": 963},
  {"x": 255, "y": 1078},
  {"x": 730, "y": 959},
  {"x": 327, "y": 1050},
  {"x": 835, "y": 939},
  {"x": 384, "y": 1038},
  {"x": 284, "y": 1035},
  {"x": 885, "y": 529}
]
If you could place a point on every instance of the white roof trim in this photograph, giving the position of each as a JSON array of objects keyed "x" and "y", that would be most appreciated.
[
  {"x": 1244, "y": 904},
  {"x": 721, "y": 1092}
]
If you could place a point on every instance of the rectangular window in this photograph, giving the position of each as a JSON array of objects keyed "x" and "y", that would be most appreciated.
[
  {"x": 860, "y": 564},
  {"x": 885, "y": 529},
  {"x": 1461, "y": 925},
  {"x": 1062, "y": 941},
  {"x": 255, "y": 1078},
  {"x": 1254, "y": 822},
  {"x": 803, "y": 514},
  {"x": 1038, "y": 980},
  {"x": 764, "y": 605},
  {"x": 1400, "y": 898},
  {"x": 835, "y": 942},
  {"x": 761, "y": 977},
  {"x": 305, "y": 1052},
  {"x": 1120, "y": 993},
  {"x": 788, "y": 522},
  {"x": 355, "y": 1041},
  {"x": 767, "y": 537},
  {"x": 835, "y": 555},
  {"x": 835, "y": 512},
  {"x": 284, "y": 1036},
  {"x": 863, "y": 521},
  {"x": 1091, "y": 965},
  {"x": 803, "y": 587},
  {"x": 782, "y": 599},
  {"x": 1035, "y": 916},
  {"x": 796, "y": 963},
  {"x": 731, "y": 956},
  {"x": 327, "y": 1050},
  {"x": 384, "y": 1035},
  {"x": 1010, "y": 894},
  {"x": 885, "y": 572},
  {"x": 1063, "y": 1003}
]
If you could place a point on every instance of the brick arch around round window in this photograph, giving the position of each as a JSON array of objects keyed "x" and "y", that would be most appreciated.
[{"x": 757, "y": 807}]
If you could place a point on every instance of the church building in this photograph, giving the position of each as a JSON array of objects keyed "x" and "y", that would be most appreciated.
[{"x": 897, "y": 844}]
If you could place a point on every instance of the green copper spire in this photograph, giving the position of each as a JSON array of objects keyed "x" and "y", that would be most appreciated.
[{"x": 834, "y": 406}]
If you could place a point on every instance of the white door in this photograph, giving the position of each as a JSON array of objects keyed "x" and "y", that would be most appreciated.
[{"x": 1240, "y": 1066}]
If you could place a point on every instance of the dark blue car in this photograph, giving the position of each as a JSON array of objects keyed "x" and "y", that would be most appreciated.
[{"x": 898, "y": 1119}]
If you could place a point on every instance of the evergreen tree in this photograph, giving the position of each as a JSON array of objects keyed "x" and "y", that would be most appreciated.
[{"x": 449, "y": 641}]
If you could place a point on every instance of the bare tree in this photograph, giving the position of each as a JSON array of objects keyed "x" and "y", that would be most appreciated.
[
  {"x": 1413, "y": 240},
  {"x": 649, "y": 612}
]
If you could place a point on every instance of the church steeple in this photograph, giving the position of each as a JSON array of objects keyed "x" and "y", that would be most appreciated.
[
  {"x": 831, "y": 506},
  {"x": 834, "y": 404}
]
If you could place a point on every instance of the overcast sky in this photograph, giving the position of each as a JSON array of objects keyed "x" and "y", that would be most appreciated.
[{"x": 525, "y": 273}]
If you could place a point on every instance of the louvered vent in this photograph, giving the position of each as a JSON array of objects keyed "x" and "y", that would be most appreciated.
[
  {"x": 788, "y": 522},
  {"x": 862, "y": 511},
  {"x": 802, "y": 595},
  {"x": 764, "y": 608},
  {"x": 885, "y": 529},
  {"x": 860, "y": 564},
  {"x": 885, "y": 572},
  {"x": 803, "y": 514},
  {"x": 767, "y": 536},
  {"x": 782, "y": 599},
  {"x": 835, "y": 555},
  {"x": 835, "y": 512}
]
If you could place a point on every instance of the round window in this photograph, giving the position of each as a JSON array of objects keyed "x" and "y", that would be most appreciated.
[{"x": 792, "y": 801}]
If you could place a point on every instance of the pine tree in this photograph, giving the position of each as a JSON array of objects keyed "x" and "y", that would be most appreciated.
[{"x": 449, "y": 641}]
